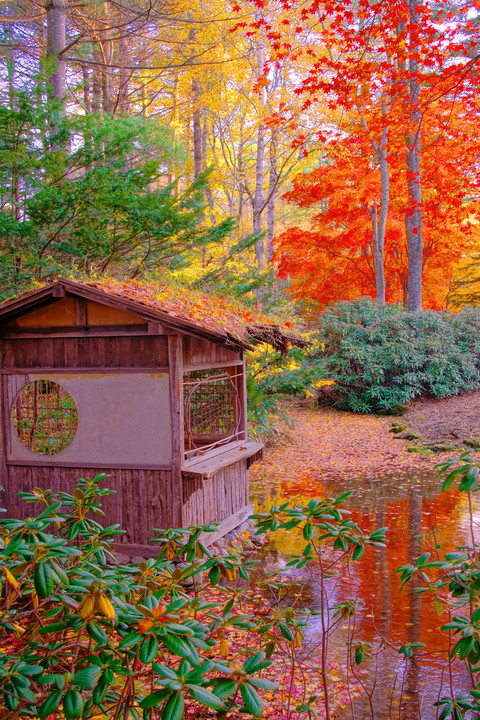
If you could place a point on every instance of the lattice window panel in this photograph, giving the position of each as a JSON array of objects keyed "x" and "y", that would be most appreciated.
[
  {"x": 212, "y": 408},
  {"x": 45, "y": 417}
]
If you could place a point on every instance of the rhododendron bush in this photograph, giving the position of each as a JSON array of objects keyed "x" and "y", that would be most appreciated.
[{"x": 83, "y": 637}]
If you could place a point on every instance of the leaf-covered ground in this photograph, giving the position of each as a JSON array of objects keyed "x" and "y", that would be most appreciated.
[
  {"x": 295, "y": 683},
  {"x": 325, "y": 442}
]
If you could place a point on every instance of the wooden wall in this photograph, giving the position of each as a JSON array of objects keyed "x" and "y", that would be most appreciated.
[
  {"x": 143, "y": 351},
  {"x": 144, "y": 499},
  {"x": 207, "y": 500},
  {"x": 203, "y": 353}
]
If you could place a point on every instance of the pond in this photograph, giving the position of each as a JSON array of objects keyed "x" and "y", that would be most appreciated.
[{"x": 418, "y": 517}]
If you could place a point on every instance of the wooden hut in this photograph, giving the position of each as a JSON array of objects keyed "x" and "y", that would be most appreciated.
[{"x": 121, "y": 380}]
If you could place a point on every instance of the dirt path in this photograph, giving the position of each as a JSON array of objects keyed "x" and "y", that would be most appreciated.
[{"x": 330, "y": 442}]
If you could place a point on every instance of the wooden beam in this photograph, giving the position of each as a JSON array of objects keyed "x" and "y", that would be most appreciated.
[
  {"x": 105, "y": 369},
  {"x": 83, "y": 331},
  {"x": 81, "y": 311},
  {"x": 4, "y": 421},
  {"x": 229, "y": 524},
  {"x": 155, "y": 328},
  {"x": 58, "y": 291},
  {"x": 41, "y": 462},
  {"x": 175, "y": 363},
  {"x": 212, "y": 365}
]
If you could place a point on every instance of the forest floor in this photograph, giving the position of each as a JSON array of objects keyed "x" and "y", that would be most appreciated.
[
  {"x": 340, "y": 444},
  {"x": 453, "y": 421}
]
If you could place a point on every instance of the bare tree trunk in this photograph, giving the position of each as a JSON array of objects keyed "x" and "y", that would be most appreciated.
[
  {"x": 272, "y": 195},
  {"x": 196, "y": 128},
  {"x": 96, "y": 82},
  {"x": 379, "y": 219},
  {"x": 56, "y": 83},
  {"x": 413, "y": 218},
  {"x": 86, "y": 90},
  {"x": 123, "y": 100},
  {"x": 106, "y": 76},
  {"x": 379, "y": 240},
  {"x": 260, "y": 155}
]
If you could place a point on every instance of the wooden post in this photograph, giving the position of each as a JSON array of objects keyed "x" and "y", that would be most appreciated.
[
  {"x": 175, "y": 366},
  {"x": 4, "y": 419},
  {"x": 81, "y": 312},
  {"x": 242, "y": 396}
]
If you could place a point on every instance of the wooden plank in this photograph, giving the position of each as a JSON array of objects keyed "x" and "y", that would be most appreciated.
[
  {"x": 148, "y": 351},
  {"x": 128, "y": 506},
  {"x": 201, "y": 353},
  {"x": 213, "y": 365},
  {"x": 227, "y": 525},
  {"x": 81, "y": 312},
  {"x": 4, "y": 421},
  {"x": 81, "y": 331},
  {"x": 175, "y": 363},
  {"x": 208, "y": 467},
  {"x": 107, "y": 369},
  {"x": 213, "y": 452},
  {"x": 45, "y": 462}
]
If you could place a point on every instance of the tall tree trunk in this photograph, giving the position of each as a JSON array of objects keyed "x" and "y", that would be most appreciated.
[
  {"x": 379, "y": 219},
  {"x": 57, "y": 79},
  {"x": 259, "y": 161},
  {"x": 272, "y": 194},
  {"x": 413, "y": 217},
  {"x": 86, "y": 90},
  {"x": 97, "y": 79},
  {"x": 123, "y": 90},
  {"x": 196, "y": 128},
  {"x": 379, "y": 245}
]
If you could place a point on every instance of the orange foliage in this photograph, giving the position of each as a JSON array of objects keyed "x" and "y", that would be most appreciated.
[
  {"x": 331, "y": 259},
  {"x": 385, "y": 73}
]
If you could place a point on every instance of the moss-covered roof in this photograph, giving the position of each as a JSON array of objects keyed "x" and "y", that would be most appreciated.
[{"x": 219, "y": 318}]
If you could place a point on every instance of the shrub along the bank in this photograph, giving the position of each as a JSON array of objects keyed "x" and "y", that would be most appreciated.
[
  {"x": 382, "y": 356},
  {"x": 81, "y": 637}
]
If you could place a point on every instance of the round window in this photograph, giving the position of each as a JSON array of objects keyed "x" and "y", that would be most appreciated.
[{"x": 45, "y": 417}]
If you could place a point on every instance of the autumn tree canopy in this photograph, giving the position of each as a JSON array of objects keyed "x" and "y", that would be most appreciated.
[{"x": 400, "y": 82}]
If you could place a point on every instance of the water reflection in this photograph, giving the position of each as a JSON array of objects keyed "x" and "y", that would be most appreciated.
[{"x": 418, "y": 518}]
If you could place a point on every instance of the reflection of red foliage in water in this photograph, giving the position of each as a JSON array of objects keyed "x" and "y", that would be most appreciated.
[
  {"x": 375, "y": 580},
  {"x": 331, "y": 452}
]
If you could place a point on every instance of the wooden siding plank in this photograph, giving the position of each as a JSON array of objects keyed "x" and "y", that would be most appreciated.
[{"x": 127, "y": 506}]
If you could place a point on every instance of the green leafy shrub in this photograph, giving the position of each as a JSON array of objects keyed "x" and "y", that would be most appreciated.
[
  {"x": 267, "y": 420},
  {"x": 297, "y": 374},
  {"x": 381, "y": 357},
  {"x": 84, "y": 638}
]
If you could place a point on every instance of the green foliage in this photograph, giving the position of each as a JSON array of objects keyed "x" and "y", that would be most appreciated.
[
  {"x": 271, "y": 375},
  {"x": 106, "y": 205},
  {"x": 266, "y": 417},
  {"x": 381, "y": 357},
  {"x": 297, "y": 374},
  {"x": 83, "y": 637}
]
